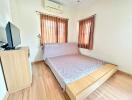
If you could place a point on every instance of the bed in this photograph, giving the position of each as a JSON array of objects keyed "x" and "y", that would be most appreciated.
[{"x": 77, "y": 74}]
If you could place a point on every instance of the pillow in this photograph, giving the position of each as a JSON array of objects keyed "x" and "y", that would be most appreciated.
[{"x": 60, "y": 49}]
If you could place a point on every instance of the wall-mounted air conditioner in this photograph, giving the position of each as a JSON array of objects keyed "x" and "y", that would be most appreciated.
[{"x": 53, "y": 6}]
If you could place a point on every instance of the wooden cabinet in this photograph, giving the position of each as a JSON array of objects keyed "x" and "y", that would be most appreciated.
[{"x": 16, "y": 69}]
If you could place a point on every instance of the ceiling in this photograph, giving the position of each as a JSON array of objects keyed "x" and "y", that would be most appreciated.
[{"x": 74, "y": 3}]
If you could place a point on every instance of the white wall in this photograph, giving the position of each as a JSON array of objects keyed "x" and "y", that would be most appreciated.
[
  {"x": 4, "y": 18},
  {"x": 2, "y": 85},
  {"x": 112, "y": 40},
  {"x": 25, "y": 17},
  {"x": 113, "y": 31}
]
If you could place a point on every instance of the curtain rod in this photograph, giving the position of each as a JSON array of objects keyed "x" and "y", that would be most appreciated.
[
  {"x": 50, "y": 15},
  {"x": 87, "y": 17}
]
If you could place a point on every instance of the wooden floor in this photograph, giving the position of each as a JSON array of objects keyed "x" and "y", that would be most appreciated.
[{"x": 46, "y": 87}]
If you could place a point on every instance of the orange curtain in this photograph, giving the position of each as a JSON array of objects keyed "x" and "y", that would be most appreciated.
[
  {"x": 53, "y": 29},
  {"x": 86, "y": 33}
]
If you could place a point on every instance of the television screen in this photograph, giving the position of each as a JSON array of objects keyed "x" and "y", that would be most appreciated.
[{"x": 13, "y": 35}]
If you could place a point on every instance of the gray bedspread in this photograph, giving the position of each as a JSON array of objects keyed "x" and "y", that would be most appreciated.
[{"x": 70, "y": 68}]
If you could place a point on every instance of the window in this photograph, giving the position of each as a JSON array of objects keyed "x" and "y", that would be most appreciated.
[
  {"x": 53, "y": 29},
  {"x": 86, "y": 32}
]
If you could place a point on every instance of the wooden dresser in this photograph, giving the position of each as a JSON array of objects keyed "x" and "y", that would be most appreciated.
[{"x": 16, "y": 69}]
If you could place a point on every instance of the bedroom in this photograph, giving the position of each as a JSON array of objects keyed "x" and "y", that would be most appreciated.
[{"x": 112, "y": 41}]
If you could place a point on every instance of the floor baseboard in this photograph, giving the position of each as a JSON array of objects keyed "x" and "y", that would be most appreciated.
[
  {"x": 34, "y": 62},
  {"x": 128, "y": 74}
]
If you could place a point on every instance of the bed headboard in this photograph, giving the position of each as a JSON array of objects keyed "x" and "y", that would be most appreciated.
[{"x": 56, "y": 49}]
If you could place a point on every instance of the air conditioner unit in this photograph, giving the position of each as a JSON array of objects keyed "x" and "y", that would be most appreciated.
[{"x": 53, "y": 6}]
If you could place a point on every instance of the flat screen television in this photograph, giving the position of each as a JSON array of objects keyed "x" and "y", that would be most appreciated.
[{"x": 13, "y": 36}]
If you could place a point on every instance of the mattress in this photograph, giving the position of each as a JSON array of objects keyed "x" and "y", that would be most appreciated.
[{"x": 70, "y": 68}]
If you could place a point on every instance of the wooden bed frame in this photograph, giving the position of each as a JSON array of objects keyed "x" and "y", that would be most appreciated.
[{"x": 80, "y": 89}]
